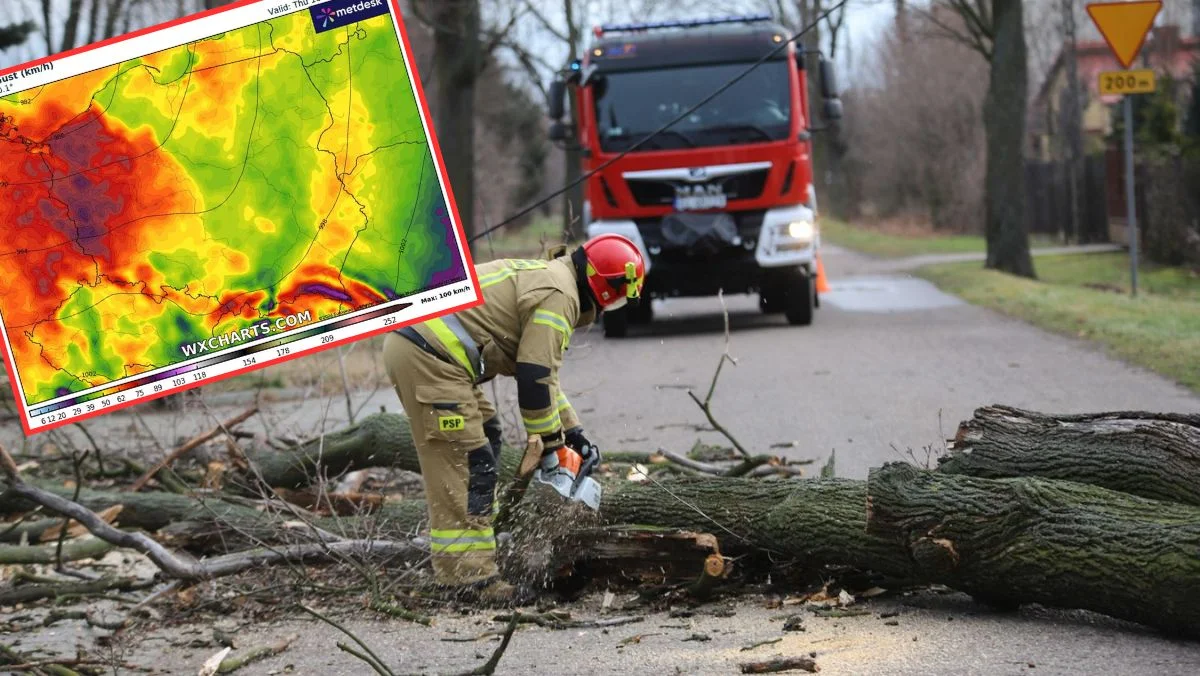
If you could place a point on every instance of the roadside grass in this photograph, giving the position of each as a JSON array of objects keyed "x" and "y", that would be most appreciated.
[
  {"x": 1086, "y": 296},
  {"x": 900, "y": 242}
]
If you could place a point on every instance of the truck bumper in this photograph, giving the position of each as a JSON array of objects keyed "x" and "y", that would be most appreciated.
[{"x": 767, "y": 247}]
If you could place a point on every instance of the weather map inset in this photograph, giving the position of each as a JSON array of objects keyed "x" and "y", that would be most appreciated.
[{"x": 216, "y": 195}]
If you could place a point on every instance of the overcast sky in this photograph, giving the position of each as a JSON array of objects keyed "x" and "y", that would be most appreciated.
[{"x": 864, "y": 20}]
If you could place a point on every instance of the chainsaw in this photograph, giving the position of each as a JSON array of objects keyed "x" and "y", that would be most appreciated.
[{"x": 567, "y": 472}]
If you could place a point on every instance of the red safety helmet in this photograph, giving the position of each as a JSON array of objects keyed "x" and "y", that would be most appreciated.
[{"x": 615, "y": 270}]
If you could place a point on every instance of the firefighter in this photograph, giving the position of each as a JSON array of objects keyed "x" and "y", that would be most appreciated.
[{"x": 530, "y": 311}]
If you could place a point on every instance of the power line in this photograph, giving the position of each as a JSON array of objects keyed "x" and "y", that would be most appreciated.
[{"x": 668, "y": 125}]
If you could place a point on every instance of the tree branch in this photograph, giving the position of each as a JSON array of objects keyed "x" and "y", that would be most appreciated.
[
  {"x": 190, "y": 570},
  {"x": 706, "y": 405},
  {"x": 370, "y": 657},
  {"x": 496, "y": 37},
  {"x": 545, "y": 22},
  {"x": 971, "y": 38},
  {"x": 193, "y": 443}
]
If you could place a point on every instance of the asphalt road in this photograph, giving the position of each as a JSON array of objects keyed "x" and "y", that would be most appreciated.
[{"x": 890, "y": 364}]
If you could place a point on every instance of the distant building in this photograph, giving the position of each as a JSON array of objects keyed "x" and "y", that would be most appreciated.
[{"x": 1168, "y": 49}]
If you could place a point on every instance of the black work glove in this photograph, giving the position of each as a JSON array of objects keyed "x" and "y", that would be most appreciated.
[{"x": 586, "y": 449}]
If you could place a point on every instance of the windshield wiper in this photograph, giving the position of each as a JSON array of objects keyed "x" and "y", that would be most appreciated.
[
  {"x": 766, "y": 135},
  {"x": 640, "y": 136}
]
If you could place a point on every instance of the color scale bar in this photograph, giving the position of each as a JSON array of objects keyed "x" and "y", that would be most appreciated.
[{"x": 223, "y": 358}]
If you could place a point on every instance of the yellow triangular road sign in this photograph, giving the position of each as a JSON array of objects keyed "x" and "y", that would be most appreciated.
[{"x": 1124, "y": 25}]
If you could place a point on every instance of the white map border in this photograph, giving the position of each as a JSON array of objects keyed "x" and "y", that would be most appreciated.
[{"x": 426, "y": 305}]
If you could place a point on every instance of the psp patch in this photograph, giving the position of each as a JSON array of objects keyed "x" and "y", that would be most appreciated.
[{"x": 451, "y": 423}]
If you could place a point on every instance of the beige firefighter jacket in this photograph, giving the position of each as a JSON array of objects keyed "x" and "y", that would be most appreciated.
[{"x": 523, "y": 328}]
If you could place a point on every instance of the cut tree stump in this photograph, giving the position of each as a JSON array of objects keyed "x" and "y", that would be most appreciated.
[{"x": 1154, "y": 455}]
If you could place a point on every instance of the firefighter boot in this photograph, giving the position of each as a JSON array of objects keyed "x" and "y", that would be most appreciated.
[{"x": 492, "y": 593}]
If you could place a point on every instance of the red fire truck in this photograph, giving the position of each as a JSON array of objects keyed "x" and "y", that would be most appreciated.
[{"x": 723, "y": 198}]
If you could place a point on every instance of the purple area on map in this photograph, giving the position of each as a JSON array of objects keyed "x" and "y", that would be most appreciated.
[
  {"x": 47, "y": 273},
  {"x": 62, "y": 391},
  {"x": 325, "y": 290},
  {"x": 456, "y": 273}
]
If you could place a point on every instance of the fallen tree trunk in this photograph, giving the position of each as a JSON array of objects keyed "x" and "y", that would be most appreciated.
[
  {"x": 378, "y": 440},
  {"x": 212, "y": 524},
  {"x": 1060, "y": 544},
  {"x": 1007, "y": 541},
  {"x": 816, "y": 522},
  {"x": 72, "y": 550},
  {"x": 189, "y": 570},
  {"x": 1154, "y": 455}
]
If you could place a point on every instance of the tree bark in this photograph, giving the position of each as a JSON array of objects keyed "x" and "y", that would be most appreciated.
[
  {"x": 71, "y": 26},
  {"x": 212, "y": 524},
  {"x": 115, "y": 9},
  {"x": 1151, "y": 455},
  {"x": 47, "y": 18},
  {"x": 94, "y": 10},
  {"x": 1059, "y": 544},
  {"x": 1004, "y": 119},
  {"x": 73, "y": 550},
  {"x": 815, "y": 522},
  {"x": 457, "y": 60},
  {"x": 573, "y": 222},
  {"x": 378, "y": 440}
]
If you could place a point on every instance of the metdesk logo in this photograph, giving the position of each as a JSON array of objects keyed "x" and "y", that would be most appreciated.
[{"x": 338, "y": 13}]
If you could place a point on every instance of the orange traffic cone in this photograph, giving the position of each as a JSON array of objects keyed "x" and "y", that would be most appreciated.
[{"x": 822, "y": 284}]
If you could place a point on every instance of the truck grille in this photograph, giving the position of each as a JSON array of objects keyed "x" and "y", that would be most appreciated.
[
  {"x": 737, "y": 187},
  {"x": 749, "y": 226}
]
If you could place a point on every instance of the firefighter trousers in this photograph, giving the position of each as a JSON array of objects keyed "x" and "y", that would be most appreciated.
[{"x": 457, "y": 436}]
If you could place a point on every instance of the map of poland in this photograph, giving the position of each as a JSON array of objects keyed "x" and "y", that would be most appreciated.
[{"x": 216, "y": 192}]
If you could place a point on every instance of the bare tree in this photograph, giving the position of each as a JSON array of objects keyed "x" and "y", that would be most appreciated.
[
  {"x": 914, "y": 133},
  {"x": 71, "y": 27},
  {"x": 996, "y": 30},
  {"x": 462, "y": 43}
]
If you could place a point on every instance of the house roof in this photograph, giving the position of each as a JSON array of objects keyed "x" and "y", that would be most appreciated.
[{"x": 1094, "y": 56}]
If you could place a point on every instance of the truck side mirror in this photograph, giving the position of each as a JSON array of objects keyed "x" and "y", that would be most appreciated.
[
  {"x": 558, "y": 131},
  {"x": 828, "y": 80},
  {"x": 558, "y": 91},
  {"x": 832, "y": 109}
]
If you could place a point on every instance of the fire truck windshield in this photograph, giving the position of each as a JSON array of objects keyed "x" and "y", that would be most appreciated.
[{"x": 631, "y": 105}]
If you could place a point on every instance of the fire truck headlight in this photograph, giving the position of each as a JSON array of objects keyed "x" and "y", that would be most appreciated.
[{"x": 802, "y": 230}]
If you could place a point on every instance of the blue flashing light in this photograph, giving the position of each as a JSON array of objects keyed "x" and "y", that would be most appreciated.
[{"x": 693, "y": 23}]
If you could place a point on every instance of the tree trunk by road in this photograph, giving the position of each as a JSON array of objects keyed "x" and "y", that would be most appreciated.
[
  {"x": 573, "y": 222},
  {"x": 1152, "y": 455},
  {"x": 115, "y": 9},
  {"x": 71, "y": 25},
  {"x": 1007, "y": 230},
  {"x": 457, "y": 62}
]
